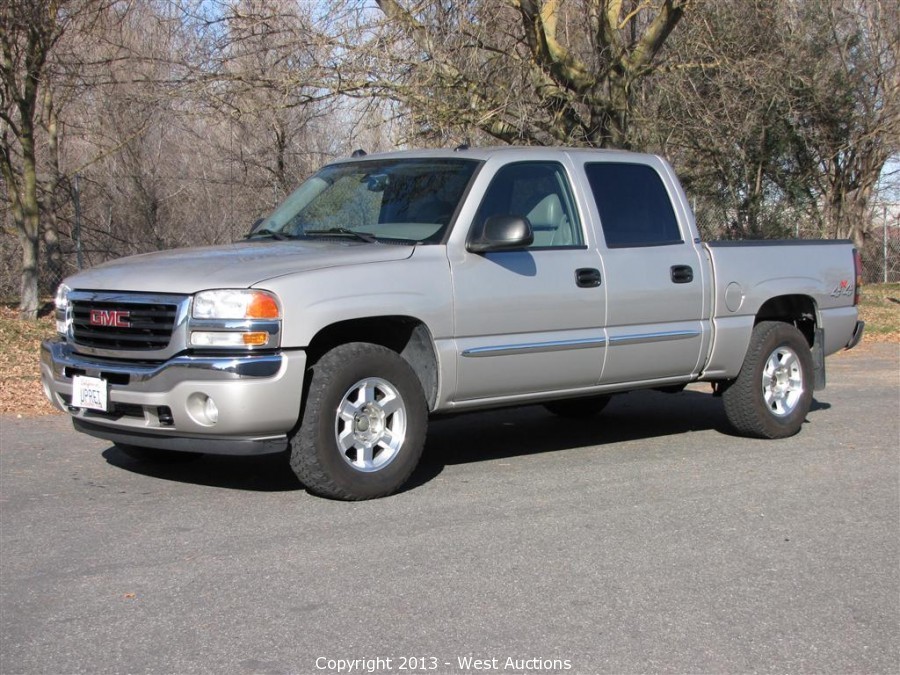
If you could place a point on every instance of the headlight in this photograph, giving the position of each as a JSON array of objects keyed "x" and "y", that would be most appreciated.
[
  {"x": 235, "y": 318},
  {"x": 236, "y": 304},
  {"x": 62, "y": 309}
]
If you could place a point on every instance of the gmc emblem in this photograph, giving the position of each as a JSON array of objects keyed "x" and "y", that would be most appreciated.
[{"x": 113, "y": 318}]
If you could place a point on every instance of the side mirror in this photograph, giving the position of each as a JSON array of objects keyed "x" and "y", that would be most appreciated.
[{"x": 501, "y": 233}]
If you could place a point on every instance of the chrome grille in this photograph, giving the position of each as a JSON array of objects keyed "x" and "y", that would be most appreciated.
[{"x": 149, "y": 325}]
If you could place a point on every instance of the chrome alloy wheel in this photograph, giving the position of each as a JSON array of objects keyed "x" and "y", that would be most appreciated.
[
  {"x": 370, "y": 425},
  {"x": 782, "y": 381}
]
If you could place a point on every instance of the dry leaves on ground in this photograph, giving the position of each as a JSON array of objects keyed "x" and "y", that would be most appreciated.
[{"x": 20, "y": 374}]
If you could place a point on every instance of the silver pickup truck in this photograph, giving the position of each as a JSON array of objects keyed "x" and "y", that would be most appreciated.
[{"x": 391, "y": 287}]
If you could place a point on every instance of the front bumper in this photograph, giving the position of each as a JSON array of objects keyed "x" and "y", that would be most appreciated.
[{"x": 158, "y": 405}]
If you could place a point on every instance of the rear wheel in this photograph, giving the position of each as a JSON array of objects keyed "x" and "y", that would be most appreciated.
[
  {"x": 154, "y": 455},
  {"x": 773, "y": 392},
  {"x": 578, "y": 408},
  {"x": 363, "y": 425}
]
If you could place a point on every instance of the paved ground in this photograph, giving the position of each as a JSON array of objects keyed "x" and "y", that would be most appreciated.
[{"x": 650, "y": 540}]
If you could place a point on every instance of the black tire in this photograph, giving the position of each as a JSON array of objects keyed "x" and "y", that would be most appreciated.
[
  {"x": 157, "y": 456},
  {"x": 578, "y": 408},
  {"x": 773, "y": 392},
  {"x": 393, "y": 424}
]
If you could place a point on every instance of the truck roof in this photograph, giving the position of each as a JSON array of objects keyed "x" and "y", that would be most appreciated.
[{"x": 516, "y": 152}]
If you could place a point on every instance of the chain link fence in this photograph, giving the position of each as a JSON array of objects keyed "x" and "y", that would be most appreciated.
[
  {"x": 11, "y": 254},
  {"x": 880, "y": 253},
  {"x": 11, "y": 272}
]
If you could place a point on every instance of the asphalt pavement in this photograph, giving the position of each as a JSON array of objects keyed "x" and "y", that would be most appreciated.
[{"x": 649, "y": 539}]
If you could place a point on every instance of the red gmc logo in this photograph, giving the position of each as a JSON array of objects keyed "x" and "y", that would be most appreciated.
[{"x": 110, "y": 317}]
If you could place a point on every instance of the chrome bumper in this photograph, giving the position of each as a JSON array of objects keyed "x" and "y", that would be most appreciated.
[
  {"x": 857, "y": 335},
  {"x": 159, "y": 405}
]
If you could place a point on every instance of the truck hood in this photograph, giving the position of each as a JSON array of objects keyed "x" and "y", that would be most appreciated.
[{"x": 238, "y": 265}]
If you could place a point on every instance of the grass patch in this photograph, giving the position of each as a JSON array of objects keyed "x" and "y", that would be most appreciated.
[{"x": 879, "y": 307}]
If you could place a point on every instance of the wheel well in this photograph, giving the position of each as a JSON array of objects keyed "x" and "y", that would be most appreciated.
[
  {"x": 798, "y": 310},
  {"x": 407, "y": 336}
]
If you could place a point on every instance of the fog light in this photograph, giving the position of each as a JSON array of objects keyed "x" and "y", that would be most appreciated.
[
  {"x": 202, "y": 409},
  {"x": 211, "y": 411}
]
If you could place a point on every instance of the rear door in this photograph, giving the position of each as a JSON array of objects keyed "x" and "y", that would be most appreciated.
[{"x": 653, "y": 274}]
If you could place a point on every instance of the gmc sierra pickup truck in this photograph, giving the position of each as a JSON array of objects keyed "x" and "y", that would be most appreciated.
[{"x": 388, "y": 288}]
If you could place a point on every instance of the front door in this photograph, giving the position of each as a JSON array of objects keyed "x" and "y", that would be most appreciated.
[{"x": 530, "y": 320}]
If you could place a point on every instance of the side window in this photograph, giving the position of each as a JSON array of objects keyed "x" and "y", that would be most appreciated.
[
  {"x": 538, "y": 191},
  {"x": 634, "y": 206}
]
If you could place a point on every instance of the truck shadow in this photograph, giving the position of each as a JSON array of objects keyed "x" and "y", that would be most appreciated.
[
  {"x": 476, "y": 437},
  {"x": 263, "y": 473},
  {"x": 533, "y": 430}
]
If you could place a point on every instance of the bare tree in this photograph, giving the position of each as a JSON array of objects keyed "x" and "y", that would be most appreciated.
[
  {"x": 721, "y": 115},
  {"x": 272, "y": 92},
  {"x": 184, "y": 122},
  {"x": 551, "y": 71},
  {"x": 784, "y": 111},
  {"x": 29, "y": 30},
  {"x": 38, "y": 66},
  {"x": 843, "y": 91}
]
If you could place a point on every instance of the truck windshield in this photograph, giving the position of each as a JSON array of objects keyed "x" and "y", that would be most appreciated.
[{"x": 398, "y": 201}]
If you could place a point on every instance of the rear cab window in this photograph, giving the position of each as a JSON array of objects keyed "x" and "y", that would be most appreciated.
[{"x": 634, "y": 205}]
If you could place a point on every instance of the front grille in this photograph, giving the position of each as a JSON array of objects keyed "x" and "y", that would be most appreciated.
[{"x": 149, "y": 325}]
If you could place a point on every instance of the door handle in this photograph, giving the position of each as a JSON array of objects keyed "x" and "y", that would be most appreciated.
[
  {"x": 587, "y": 277},
  {"x": 682, "y": 274}
]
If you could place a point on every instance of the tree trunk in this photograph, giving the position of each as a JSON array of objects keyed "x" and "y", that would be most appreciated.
[
  {"x": 855, "y": 212},
  {"x": 619, "y": 105},
  {"x": 30, "y": 228},
  {"x": 53, "y": 255},
  {"x": 28, "y": 304}
]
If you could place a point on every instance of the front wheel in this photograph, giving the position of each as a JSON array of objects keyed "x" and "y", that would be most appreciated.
[
  {"x": 773, "y": 392},
  {"x": 363, "y": 425}
]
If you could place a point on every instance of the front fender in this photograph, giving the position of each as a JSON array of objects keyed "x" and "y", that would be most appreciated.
[{"x": 417, "y": 287}]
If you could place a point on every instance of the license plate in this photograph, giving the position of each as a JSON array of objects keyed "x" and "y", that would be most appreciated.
[{"x": 89, "y": 392}]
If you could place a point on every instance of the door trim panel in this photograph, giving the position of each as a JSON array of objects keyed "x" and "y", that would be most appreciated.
[
  {"x": 662, "y": 336},
  {"x": 534, "y": 347}
]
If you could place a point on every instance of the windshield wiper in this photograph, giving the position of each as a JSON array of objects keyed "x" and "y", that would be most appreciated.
[
  {"x": 343, "y": 232},
  {"x": 265, "y": 232}
]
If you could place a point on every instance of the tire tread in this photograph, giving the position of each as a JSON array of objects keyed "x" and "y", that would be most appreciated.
[
  {"x": 304, "y": 461},
  {"x": 743, "y": 399}
]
